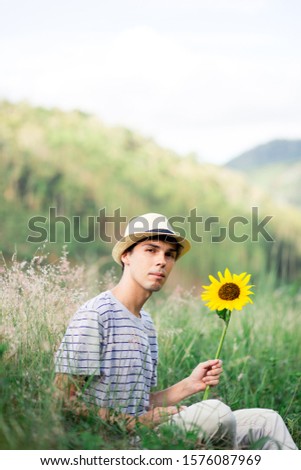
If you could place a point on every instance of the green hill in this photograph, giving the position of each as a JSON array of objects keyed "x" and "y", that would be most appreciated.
[
  {"x": 271, "y": 153},
  {"x": 275, "y": 167},
  {"x": 60, "y": 171}
]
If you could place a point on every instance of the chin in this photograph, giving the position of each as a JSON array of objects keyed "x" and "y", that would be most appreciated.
[{"x": 154, "y": 288}]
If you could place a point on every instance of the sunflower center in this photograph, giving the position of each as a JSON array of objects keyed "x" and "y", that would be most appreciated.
[{"x": 229, "y": 291}]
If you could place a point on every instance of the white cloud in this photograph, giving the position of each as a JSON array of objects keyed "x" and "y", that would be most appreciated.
[{"x": 216, "y": 94}]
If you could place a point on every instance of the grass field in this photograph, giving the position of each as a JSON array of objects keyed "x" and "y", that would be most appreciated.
[{"x": 261, "y": 354}]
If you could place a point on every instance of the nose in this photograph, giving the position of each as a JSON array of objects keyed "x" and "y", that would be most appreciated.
[{"x": 161, "y": 260}]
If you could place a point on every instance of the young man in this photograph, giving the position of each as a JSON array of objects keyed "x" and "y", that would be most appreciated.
[{"x": 108, "y": 356}]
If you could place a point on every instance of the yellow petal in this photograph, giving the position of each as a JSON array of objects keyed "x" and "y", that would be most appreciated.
[
  {"x": 212, "y": 279},
  {"x": 228, "y": 275},
  {"x": 245, "y": 280},
  {"x": 242, "y": 275}
]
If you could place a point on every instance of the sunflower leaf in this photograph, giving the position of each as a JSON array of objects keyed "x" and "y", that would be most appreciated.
[{"x": 222, "y": 314}]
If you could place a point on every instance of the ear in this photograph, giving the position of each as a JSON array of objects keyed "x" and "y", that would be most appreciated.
[{"x": 125, "y": 258}]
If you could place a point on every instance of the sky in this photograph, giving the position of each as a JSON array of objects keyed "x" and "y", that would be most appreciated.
[{"x": 209, "y": 77}]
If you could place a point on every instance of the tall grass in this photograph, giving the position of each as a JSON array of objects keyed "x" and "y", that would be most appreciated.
[{"x": 261, "y": 355}]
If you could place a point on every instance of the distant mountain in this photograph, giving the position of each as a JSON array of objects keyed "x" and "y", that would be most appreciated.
[
  {"x": 276, "y": 151},
  {"x": 274, "y": 167}
]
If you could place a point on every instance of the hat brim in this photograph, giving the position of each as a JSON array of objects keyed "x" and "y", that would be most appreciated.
[{"x": 126, "y": 242}]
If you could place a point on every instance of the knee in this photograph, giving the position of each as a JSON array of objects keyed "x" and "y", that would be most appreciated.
[
  {"x": 222, "y": 431},
  {"x": 222, "y": 416},
  {"x": 213, "y": 417}
]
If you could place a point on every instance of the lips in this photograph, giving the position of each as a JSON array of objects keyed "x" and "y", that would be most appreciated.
[{"x": 158, "y": 275}]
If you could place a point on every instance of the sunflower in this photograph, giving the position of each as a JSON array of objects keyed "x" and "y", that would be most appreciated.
[{"x": 230, "y": 292}]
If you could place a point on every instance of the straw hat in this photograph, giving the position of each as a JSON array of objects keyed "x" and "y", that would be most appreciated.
[{"x": 147, "y": 225}]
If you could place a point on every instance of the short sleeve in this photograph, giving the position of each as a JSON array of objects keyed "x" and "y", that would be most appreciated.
[
  {"x": 154, "y": 354},
  {"x": 80, "y": 350},
  {"x": 153, "y": 344}
]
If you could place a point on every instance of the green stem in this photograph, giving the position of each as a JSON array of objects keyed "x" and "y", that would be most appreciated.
[{"x": 221, "y": 342}]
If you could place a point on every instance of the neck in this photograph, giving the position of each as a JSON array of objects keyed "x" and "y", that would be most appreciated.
[{"x": 132, "y": 296}]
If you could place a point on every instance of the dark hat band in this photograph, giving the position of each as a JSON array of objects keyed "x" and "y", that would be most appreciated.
[{"x": 160, "y": 230}]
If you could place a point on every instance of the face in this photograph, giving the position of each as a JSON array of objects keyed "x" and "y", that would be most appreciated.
[{"x": 149, "y": 264}]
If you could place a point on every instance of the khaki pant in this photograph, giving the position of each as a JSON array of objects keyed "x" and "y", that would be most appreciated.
[{"x": 217, "y": 423}]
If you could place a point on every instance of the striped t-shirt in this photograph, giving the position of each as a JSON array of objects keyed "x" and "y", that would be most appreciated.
[{"x": 116, "y": 350}]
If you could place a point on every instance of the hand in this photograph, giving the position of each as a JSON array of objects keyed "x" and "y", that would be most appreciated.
[
  {"x": 158, "y": 415},
  {"x": 206, "y": 373}
]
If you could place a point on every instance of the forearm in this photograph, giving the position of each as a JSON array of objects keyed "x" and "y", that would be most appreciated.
[{"x": 172, "y": 395}]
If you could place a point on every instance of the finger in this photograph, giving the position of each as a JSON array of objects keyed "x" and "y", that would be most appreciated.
[
  {"x": 182, "y": 408},
  {"x": 168, "y": 410},
  {"x": 212, "y": 383},
  {"x": 211, "y": 363},
  {"x": 211, "y": 377},
  {"x": 218, "y": 364},
  {"x": 214, "y": 372},
  {"x": 173, "y": 410}
]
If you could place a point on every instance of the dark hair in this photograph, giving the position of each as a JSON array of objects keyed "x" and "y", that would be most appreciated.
[{"x": 162, "y": 238}]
